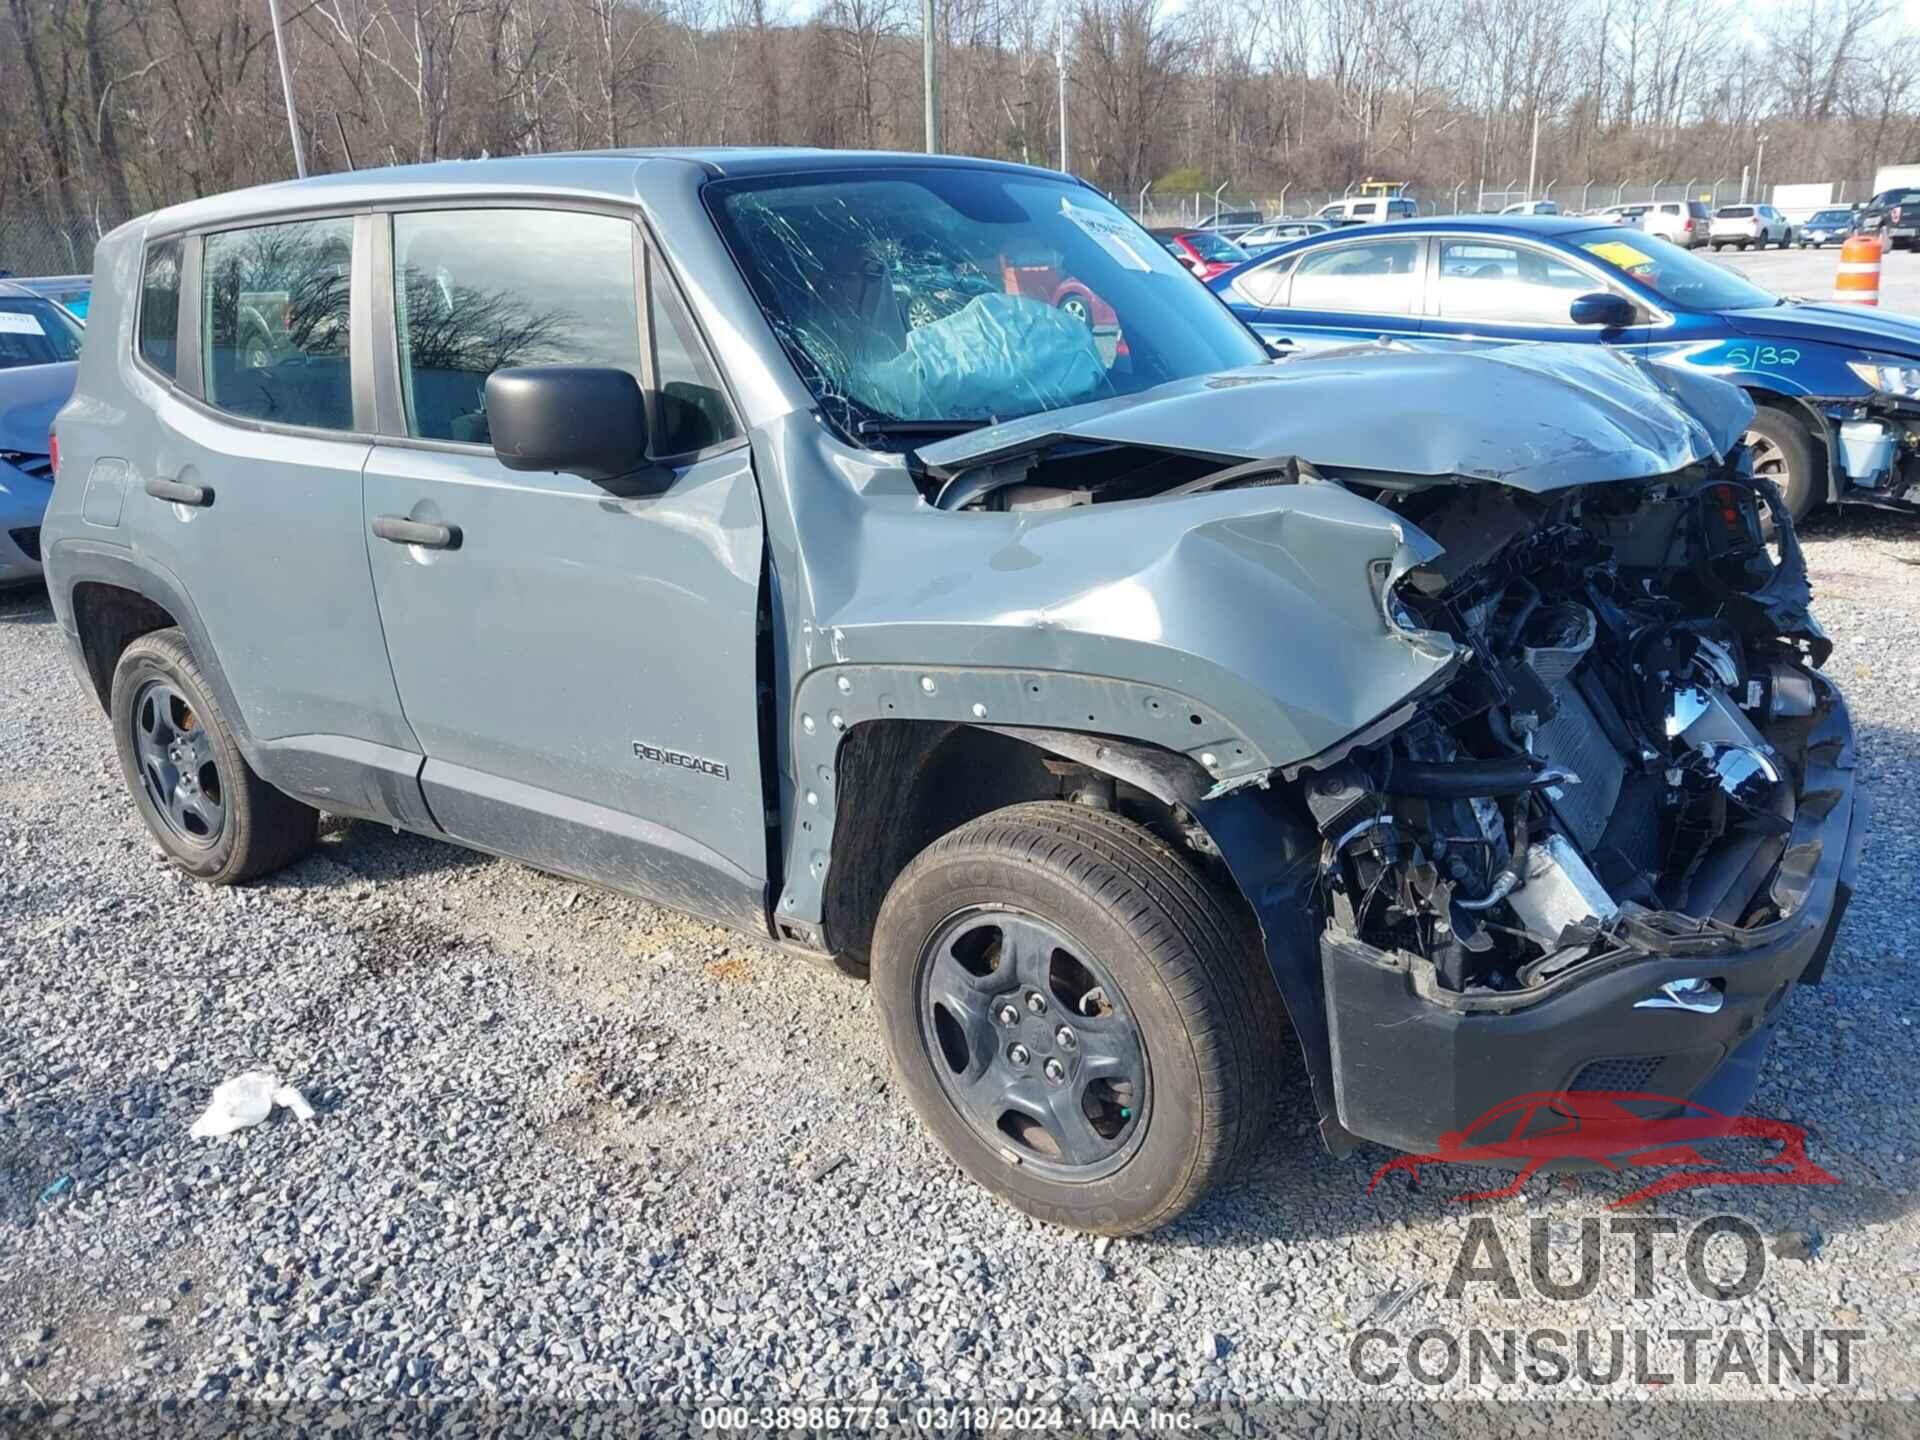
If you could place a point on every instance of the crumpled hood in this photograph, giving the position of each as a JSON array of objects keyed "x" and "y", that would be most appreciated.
[
  {"x": 1844, "y": 325},
  {"x": 30, "y": 396},
  {"x": 1536, "y": 417}
]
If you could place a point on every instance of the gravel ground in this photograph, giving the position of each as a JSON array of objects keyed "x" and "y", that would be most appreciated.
[{"x": 570, "y": 1147}]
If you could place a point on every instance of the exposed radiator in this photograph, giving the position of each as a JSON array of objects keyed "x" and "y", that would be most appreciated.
[{"x": 1573, "y": 740}]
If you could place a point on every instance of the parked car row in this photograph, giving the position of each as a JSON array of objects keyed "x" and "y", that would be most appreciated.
[{"x": 1837, "y": 388}]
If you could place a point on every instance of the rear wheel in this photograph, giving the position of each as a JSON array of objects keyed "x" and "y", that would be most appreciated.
[
  {"x": 1783, "y": 453},
  {"x": 1079, "y": 309},
  {"x": 213, "y": 816},
  {"x": 1082, "y": 1019}
]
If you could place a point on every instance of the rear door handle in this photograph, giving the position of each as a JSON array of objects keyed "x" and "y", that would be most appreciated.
[
  {"x": 425, "y": 534},
  {"x": 180, "y": 494}
]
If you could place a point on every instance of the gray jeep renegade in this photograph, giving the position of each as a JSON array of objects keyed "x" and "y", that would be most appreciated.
[{"x": 905, "y": 561}]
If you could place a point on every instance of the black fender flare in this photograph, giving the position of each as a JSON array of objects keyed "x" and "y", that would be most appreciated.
[
  {"x": 72, "y": 563},
  {"x": 1273, "y": 854}
]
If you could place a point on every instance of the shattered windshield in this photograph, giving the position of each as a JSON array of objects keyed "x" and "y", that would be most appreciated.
[
  {"x": 1675, "y": 274},
  {"x": 948, "y": 298}
]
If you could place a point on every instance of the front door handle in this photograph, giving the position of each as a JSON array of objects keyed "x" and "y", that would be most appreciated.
[
  {"x": 424, "y": 533},
  {"x": 180, "y": 494}
]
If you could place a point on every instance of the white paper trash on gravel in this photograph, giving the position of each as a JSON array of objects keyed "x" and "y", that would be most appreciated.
[{"x": 246, "y": 1100}]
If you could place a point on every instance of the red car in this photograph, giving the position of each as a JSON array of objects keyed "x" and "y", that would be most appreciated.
[
  {"x": 1205, "y": 252},
  {"x": 1601, "y": 1127}
]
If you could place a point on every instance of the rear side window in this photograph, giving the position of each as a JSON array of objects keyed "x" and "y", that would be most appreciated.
[
  {"x": 160, "y": 307},
  {"x": 1376, "y": 277},
  {"x": 690, "y": 409},
  {"x": 276, "y": 323},
  {"x": 1265, "y": 286},
  {"x": 482, "y": 290}
]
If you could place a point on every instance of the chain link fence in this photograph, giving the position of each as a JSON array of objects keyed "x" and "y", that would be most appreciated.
[
  {"x": 1156, "y": 207},
  {"x": 33, "y": 242}
]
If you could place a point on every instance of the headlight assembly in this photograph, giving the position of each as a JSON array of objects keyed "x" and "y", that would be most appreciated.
[{"x": 1903, "y": 380}]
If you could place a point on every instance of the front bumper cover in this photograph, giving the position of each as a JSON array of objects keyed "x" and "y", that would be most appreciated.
[
  {"x": 1409, "y": 1064},
  {"x": 1392, "y": 1058}
]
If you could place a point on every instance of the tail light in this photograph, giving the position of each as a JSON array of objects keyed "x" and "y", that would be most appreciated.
[
  {"x": 1687, "y": 224},
  {"x": 53, "y": 453}
]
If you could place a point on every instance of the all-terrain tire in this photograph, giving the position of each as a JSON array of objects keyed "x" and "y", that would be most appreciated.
[
  {"x": 261, "y": 829},
  {"x": 1186, "y": 956}
]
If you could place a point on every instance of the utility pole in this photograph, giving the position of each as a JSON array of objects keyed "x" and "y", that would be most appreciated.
[
  {"x": 286, "y": 89},
  {"x": 1060, "y": 63},
  {"x": 931, "y": 64},
  {"x": 1533, "y": 157},
  {"x": 1759, "y": 160}
]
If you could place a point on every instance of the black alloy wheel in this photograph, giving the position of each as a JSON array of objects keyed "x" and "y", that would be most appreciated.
[{"x": 177, "y": 764}]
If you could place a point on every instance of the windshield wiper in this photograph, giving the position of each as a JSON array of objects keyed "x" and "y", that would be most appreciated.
[{"x": 920, "y": 427}]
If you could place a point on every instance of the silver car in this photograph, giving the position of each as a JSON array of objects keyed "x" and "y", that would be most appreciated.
[
  {"x": 759, "y": 532},
  {"x": 1262, "y": 238},
  {"x": 1744, "y": 225}
]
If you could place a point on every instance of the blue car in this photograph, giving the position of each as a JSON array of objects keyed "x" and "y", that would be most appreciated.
[
  {"x": 1837, "y": 388},
  {"x": 39, "y": 344},
  {"x": 72, "y": 292}
]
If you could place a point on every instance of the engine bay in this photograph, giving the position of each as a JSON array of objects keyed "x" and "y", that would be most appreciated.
[{"x": 1621, "y": 742}]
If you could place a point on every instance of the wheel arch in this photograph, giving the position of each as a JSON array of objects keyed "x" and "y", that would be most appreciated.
[
  {"x": 901, "y": 784},
  {"x": 108, "y": 599},
  {"x": 904, "y": 783},
  {"x": 1811, "y": 418}
]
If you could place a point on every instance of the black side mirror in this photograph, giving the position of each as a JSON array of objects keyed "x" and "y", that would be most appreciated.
[
  {"x": 1603, "y": 308},
  {"x": 572, "y": 419}
]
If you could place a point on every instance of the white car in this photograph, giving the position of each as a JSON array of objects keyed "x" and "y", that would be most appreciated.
[
  {"x": 1532, "y": 207},
  {"x": 1262, "y": 238},
  {"x": 1627, "y": 215},
  {"x": 1684, "y": 222},
  {"x": 1369, "y": 210},
  {"x": 1755, "y": 225}
]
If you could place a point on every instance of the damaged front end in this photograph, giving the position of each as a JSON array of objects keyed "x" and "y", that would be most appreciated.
[{"x": 1601, "y": 855}]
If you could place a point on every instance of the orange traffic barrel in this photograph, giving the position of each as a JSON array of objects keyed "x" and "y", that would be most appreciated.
[{"x": 1858, "y": 280}]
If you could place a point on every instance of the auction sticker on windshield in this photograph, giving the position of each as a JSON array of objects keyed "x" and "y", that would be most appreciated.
[
  {"x": 1108, "y": 234},
  {"x": 13, "y": 322},
  {"x": 1617, "y": 252}
]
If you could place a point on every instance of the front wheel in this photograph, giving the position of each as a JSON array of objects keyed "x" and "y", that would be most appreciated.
[
  {"x": 213, "y": 816},
  {"x": 1782, "y": 452},
  {"x": 1083, "y": 1020}
]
